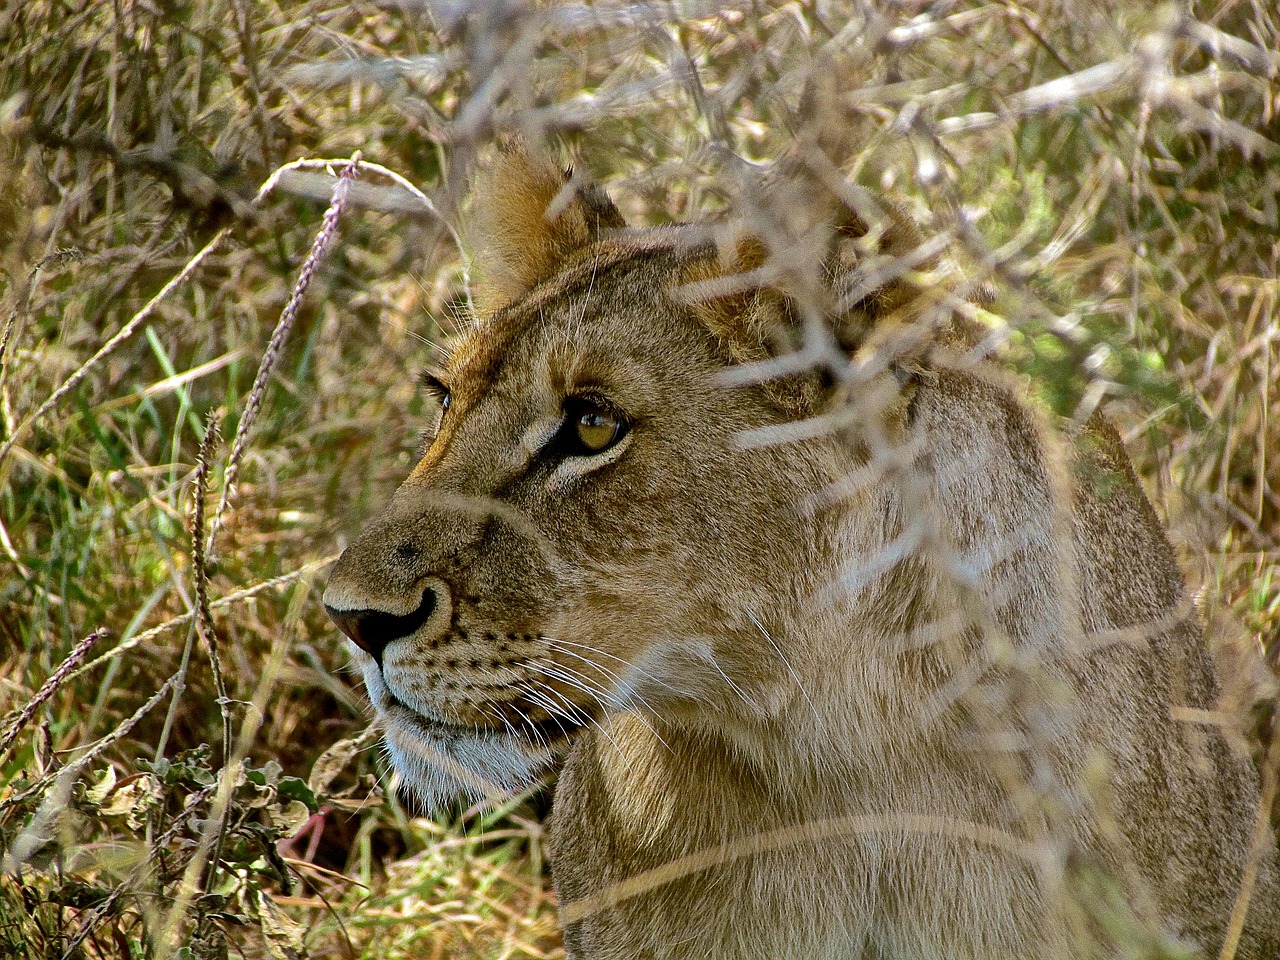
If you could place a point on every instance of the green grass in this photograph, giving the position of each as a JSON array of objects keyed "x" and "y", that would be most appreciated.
[{"x": 1131, "y": 245}]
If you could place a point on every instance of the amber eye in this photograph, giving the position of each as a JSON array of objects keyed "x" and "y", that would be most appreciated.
[{"x": 595, "y": 427}]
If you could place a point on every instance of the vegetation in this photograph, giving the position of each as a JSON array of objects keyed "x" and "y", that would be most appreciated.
[{"x": 188, "y": 430}]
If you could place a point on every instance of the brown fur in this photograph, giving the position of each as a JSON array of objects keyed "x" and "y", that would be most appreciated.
[{"x": 904, "y": 689}]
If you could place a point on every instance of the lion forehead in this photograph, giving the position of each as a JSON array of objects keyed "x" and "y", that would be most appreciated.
[{"x": 589, "y": 330}]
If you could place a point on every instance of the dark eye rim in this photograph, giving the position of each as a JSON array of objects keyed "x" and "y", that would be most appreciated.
[{"x": 438, "y": 389}]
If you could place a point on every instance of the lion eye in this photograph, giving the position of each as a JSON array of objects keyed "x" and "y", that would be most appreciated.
[
  {"x": 595, "y": 427},
  {"x": 436, "y": 387},
  {"x": 597, "y": 430}
]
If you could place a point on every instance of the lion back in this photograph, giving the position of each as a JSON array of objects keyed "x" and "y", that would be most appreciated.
[
  {"x": 1186, "y": 798},
  {"x": 1081, "y": 579}
]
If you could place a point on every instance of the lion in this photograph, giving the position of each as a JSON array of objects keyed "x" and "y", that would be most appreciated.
[{"x": 842, "y": 651}]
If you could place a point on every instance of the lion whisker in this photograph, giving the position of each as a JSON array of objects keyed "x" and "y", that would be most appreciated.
[
  {"x": 576, "y": 679},
  {"x": 786, "y": 663},
  {"x": 585, "y": 718},
  {"x": 617, "y": 678},
  {"x": 556, "y": 712},
  {"x": 711, "y": 659},
  {"x": 590, "y": 685},
  {"x": 538, "y": 737}
]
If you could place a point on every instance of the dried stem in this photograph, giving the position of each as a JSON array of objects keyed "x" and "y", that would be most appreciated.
[
  {"x": 73, "y": 769},
  {"x": 221, "y": 603},
  {"x": 121, "y": 335},
  {"x": 49, "y": 688},
  {"x": 1263, "y": 839},
  {"x": 204, "y": 616},
  {"x": 328, "y": 228},
  {"x": 56, "y": 259}
]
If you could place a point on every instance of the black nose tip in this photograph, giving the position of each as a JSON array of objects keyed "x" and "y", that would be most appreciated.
[{"x": 371, "y": 630}]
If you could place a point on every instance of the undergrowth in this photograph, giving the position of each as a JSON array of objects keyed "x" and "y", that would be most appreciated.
[{"x": 197, "y": 779}]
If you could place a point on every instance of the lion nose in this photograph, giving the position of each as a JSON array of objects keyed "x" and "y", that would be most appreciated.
[{"x": 371, "y": 630}]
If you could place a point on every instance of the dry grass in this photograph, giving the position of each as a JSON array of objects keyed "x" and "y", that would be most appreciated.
[{"x": 1112, "y": 171}]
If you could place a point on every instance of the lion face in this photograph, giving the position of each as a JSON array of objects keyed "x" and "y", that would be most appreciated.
[{"x": 572, "y": 542}]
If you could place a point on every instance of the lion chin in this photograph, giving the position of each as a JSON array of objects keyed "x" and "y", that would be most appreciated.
[{"x": 442, "y": 763}]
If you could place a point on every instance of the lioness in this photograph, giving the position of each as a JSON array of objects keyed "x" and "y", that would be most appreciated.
[{"x": 855, "y": 662}]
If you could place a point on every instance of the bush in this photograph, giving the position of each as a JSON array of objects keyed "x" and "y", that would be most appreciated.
[{"x": 1107, "y": 175}]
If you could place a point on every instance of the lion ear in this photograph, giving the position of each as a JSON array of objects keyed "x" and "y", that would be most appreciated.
[
  {"x": 858, "y": 272},
  {"x": 531, "y": 215},
  {"x": 854, "y": 271},
  {"x": 739, "y": 299}
]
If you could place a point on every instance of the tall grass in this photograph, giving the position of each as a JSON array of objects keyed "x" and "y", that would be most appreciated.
[{"x": 184, "y": 761}]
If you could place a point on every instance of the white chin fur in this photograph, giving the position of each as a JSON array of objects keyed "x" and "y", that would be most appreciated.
[
  {"x": 481, "y": 766},
  {"x": 441, "y": 765}
]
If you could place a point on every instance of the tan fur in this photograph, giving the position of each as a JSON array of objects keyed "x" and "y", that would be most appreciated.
[
  {"x": 902, "y": 689},
  {"x": 530, "y": 216}
]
